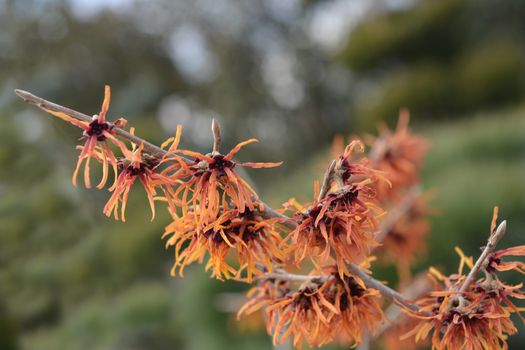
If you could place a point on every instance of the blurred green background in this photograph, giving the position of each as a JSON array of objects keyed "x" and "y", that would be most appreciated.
[{"x": 292, "y": 74}]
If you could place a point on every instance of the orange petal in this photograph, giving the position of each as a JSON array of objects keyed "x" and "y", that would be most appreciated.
[
  {"x": 80, "y": 123},
  {"x": 105, "y": 104},
  {"x": 261, "y": 165},
  {"x": 237, "y": 148}
]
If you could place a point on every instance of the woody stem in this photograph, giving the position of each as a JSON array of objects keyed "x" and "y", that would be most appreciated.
[
  {"x": 44, "y": 104},
  {"x": 268, "y": 212},
  {"x": 216, "y": 130},
  {"x": 492, "y": 242},
  {"x": 397, "y": 212},
  {"x": 386, "y": 291},
  {"x": 327, "y": 180},
  {"x": 368, "y": 280}
]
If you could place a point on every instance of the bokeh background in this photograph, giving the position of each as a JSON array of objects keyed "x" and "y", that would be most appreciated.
[{"x": 291, "y": 73}]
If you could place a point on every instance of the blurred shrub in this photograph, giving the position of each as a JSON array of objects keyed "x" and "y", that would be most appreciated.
[
  {"x": 439, "y": 58},
  {"x": 474, "y": 165},
  {"x": 429, "y": 29},
  {"x": 493, "y": 75},
  {"x": 427, "y": 90},
  {"x": 490, "y": 76},
  {"x": 7, "y": 331}
]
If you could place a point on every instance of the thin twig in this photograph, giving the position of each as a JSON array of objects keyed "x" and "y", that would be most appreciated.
[
  {"x": 268, "y": 212},
  {"x": 493, "y": 240},
  {"x": 327, "y": 180},
  {"x": 368, "y": 280},
  {"x": 150, "y": 148},
  {"x": 378, "y": 150},
  {"x": 397, "y": 212},
  {"x": 386, "y": 291},
  {"x": 419, "y": 286},
  {"x": 216, "y": 130},
  {"x": 394, "y": 314},
  {"x": 291, "y": 277}
]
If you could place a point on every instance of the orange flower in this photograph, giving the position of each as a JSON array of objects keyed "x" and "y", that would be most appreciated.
[
  {"x": 252, "y": 238},
  {"x": 495, "y": 262},
  {"x": 399, "y": 155},
  {"x": 213, "y": 173},
  {"x": 135, "y": 165},
  {"x": 304, "y": 314},
  {"x": 467, "y": 321},
  {"x": 494, "y": 287},
  {"x": 344, "y": 221},
  {"x": 96, "y": 133},
  {"x": 259, "y": 297},
  {"x": 351, "y": 170},
  {"x": 478, "y": 318},
  {"x": 320, "y": 311},
  {"x": 357, "y": 308}
]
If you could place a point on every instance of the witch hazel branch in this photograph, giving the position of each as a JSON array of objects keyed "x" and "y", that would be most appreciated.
[{"x": 310, "y": 264}]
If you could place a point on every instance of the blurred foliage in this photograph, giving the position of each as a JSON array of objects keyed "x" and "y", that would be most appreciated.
[
  {"x": 439, "y": 58},
  {"x": 427, "y": 89},
  {"x": 72, "y": 279},
  {"x": 491, "y": 76},
  {"x": 475, "y": 165},
  {"x": 427, "y": 31}
]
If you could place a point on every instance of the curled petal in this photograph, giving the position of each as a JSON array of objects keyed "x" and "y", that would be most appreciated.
[
  {"x": 237, "y": 148},
  {"x": 261, "y": 165}
]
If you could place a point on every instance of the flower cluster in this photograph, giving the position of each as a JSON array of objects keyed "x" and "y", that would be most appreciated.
[
  {"x": 253, "y": 238},
  {"x": 220, "y": 214},
  {"x": 475, "y": 315},
  {"x": 396, "y": 156},
  {"x": 344, "y": 220},
  {"x": 220, "y": 211},
  {"x": 322, "y": 310},
  {"x": 364, "y": 203}
]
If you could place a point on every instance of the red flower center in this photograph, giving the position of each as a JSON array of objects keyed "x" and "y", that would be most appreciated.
[
  {"x": 97, "y": 129},
  {"x": 130, "y": 169},
  {"x": 219, "y": 164}
]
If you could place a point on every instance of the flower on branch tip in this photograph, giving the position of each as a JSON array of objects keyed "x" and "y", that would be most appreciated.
[
  {"x": 252, "y": 239},
  {"x": 478, "y": 318},
  {"x": 96, "y": 133}
]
